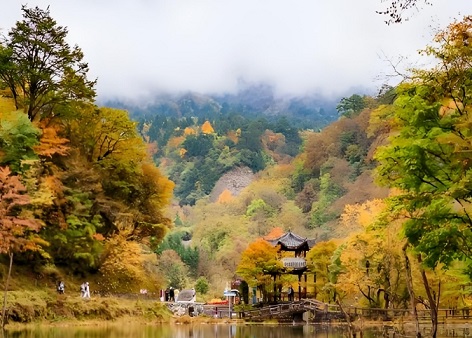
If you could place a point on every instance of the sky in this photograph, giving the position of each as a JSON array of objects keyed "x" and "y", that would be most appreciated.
[{"x": 138, "y": 48}]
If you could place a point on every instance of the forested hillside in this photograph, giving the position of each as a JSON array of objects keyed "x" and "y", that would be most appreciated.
[
  {"x": 305, "y": 193},
  {"x": 384, "y": 191},
  {"x": 251, "y": 101},
  {"x": 79, "y": 193}
]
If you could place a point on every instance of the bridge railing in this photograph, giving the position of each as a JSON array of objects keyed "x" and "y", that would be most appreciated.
[
  {"x": 353, "y": 312},
  {"x": 423, "y": 314}
]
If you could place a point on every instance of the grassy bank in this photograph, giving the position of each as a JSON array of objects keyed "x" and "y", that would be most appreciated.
[{"x": 40, "y": 306}]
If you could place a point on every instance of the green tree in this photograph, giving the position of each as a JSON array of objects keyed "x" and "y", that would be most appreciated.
[
  {"x": 329, "y": 192},
  {"x": 351, "y": 106},
  {"x": 428, "y": 158},
  {"x": 201, "y": 285},
  {"x": 198, "y": 145},
  {"x": 18, "y": 136},
  {"x": 173, "y": 269},
  {"x": 42, "y": 71},
  {"x": 189, "y": 256}
]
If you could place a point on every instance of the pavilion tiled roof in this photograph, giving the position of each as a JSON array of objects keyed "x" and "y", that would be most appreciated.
[{"x": 291, "y": 241}]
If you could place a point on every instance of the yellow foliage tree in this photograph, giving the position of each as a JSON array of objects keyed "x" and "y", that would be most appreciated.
[
  {"x": 207, "y": 128},
  {"x": 156, "y": 194},
  {"x": 258, "y": 264},
  {"x": 372, "y": 258},
  {"x": 189, "y": 131},
  {"x": 6, "y": 104},
  {"x": 128, "y": 267},
  {"x": 319, "y": 260}
]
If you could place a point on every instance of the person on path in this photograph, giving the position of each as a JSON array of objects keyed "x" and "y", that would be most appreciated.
[
  {"x": 290, "y": 293},
  {"x": 87, "y": 290},
  {"x": 82, "y": 290},
  {"x": 167, "y": 294},
  {"x": 61, "y": 287},
  {"x": 171, "y": 295},
  {"x": 194, "y": 295}
]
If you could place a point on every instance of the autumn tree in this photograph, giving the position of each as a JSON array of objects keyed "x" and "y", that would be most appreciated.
[
  {"x": 188, "y": 255},
  {"x": 428, "y": 158},
  {"x": 372, "y": 259},
  {"x": 103, "y": 133},
  {"x": 50, "y": 142},
  {"x": 225, "y": 196},
  {"x": 319, "y": 260},
  {"x": 40, "y": 68},
  {"x": 258, "y": 265},
  {"x": 17, "y": 227},
  {"x": 127, "y": 267},
  {"x": 172, "y": 268},
  {"x": 207, "y": 128}
]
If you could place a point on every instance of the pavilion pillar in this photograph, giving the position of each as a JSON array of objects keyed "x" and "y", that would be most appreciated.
[
  {"x": 304, "y": 288},
  {"x": 299, "y": 287},
  {"x": 275, "y": 288}
]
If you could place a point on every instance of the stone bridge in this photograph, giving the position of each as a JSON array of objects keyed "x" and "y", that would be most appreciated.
[{"x": 294, "y": 311}]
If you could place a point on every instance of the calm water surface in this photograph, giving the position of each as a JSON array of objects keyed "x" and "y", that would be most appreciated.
[
  {"x": 180, "y": 331},
  {"x": 204, "y": 331}
]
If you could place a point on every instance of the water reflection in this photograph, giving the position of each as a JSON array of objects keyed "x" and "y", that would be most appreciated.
[
  {"x": 179, "y": 331},
  {"x": 209, "y": 331}
]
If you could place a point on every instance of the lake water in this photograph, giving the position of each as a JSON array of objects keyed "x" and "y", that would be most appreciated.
[{"x": 206, "y": 331}]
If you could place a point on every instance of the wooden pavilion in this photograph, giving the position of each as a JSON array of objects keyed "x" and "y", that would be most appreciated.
[{"x": 295, "y": 261}]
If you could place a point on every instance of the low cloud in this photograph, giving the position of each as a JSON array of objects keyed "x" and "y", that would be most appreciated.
[{"x": 138, "y": 48}]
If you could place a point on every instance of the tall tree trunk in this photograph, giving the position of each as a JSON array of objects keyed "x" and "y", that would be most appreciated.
[
  {"x": 6, "y": 290},
  {"x": 409, "y": 284},
  {"x": 432, "y": 301}
]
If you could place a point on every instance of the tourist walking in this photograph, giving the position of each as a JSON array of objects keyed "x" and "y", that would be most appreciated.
[
  {"x": 82, "y": 290},
  {"x": 61, "y": 287},
  {"x": 86, "y": 293}
]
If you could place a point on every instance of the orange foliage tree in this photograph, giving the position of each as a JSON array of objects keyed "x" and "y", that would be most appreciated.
[
  {"x": 258, "y": 264},
  {"x": 225, "y": 197},
  {"x": 16, "y": 226},
  {"x": 207, "y": 128},
  {"x": 51, "y": 143}
]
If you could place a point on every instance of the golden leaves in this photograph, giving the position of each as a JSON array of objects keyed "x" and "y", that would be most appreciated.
[
  {"x": 207, "y": 128},
  {"x": 51, "y": 143},
  {"x": 15, "y": 226}
]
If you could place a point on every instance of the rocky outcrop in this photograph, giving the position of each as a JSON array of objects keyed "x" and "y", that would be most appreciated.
[{"x": 235, "y": 181}]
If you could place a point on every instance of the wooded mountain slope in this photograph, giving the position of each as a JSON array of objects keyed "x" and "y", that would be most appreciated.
[{"x": 79, "y": 193}]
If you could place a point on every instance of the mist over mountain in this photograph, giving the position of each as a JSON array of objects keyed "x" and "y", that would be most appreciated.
[{"x": 311, "y": 111}]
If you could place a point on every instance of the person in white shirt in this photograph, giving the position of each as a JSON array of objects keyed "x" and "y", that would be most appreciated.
[{"x": 87, "y": 290}]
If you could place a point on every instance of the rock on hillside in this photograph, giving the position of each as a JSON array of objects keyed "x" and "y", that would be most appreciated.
[{"x": 235, "y": 181}]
